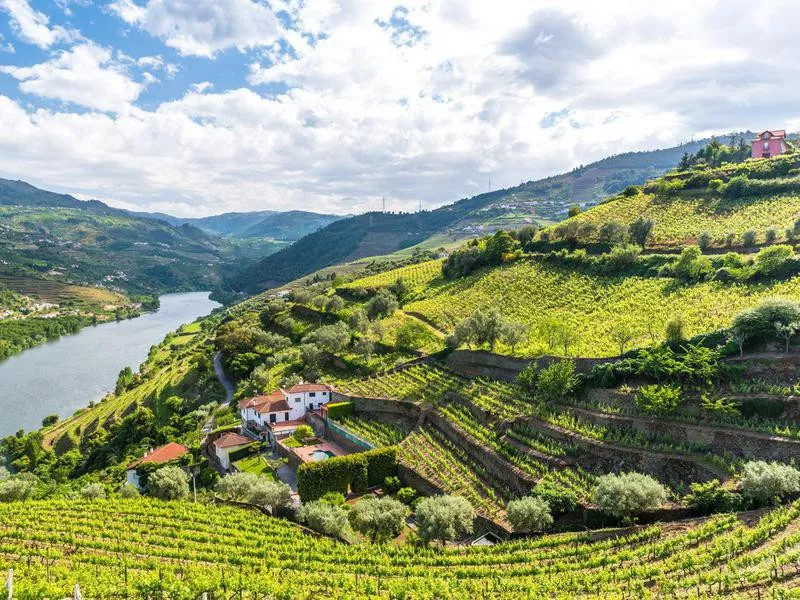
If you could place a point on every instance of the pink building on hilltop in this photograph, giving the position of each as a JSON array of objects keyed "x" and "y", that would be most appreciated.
[{"x": 769, "y": 143}]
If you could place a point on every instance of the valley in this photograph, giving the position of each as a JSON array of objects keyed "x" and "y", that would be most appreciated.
[{"x": 544, "y": 371}]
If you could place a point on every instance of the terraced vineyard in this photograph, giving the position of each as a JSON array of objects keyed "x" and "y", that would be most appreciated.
[
  {"x": 416, "y": 275},
  {"x": 427, "y": 382},
  {"x": 166, "y": 375},
  {"x": 372, "y": 430},
  {"x": 150, "y": 549},
  {"x": 680, "y": 220},
  {"x": 592, "y": 305},
  {"x": 439, "y": 461}
]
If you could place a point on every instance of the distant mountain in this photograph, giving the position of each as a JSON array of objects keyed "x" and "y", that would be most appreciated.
[
  {"x": 56, "y": 236},
  {"x": 541, "y": 201},
  {"x": 283, "y": 226}
]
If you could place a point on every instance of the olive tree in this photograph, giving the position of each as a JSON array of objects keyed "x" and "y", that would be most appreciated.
[
  {"x": 628, "y": 494},
  {"x": 272, "y": 494},
  {"x": 764, "y": 482},
  {"x": 380, "y": 519},
  {"x": 20, "y": 487},
  {"x": 168, "y": 483},
  {"x": 529, "y": 514},
  {"x": 323, "y": 517},
  {"x": 93, "y": 491},
  {"x": 444, "y": 518}
]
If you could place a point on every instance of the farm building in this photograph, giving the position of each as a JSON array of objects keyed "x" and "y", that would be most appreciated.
[
  {"x": 162, "y": 455},
  {"x": 769, "y": 143}
]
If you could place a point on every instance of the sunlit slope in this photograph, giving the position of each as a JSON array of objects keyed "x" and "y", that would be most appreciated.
[{"x": 531, "y": 291}]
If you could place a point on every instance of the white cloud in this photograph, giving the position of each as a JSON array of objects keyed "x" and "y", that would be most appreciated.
[
  {"x": 203, "y": 27},
  {"x": 86, "y": 75},
  {"x": 424, "y": 103},
  {"x": 33, "y": 26}
]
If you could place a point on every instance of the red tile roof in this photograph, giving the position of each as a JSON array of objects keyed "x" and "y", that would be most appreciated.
[
  {"x": 780, "y": 133},
  {"x": 273, "y": 406},
  {"x": 232, "y": 439},
  {"x": 309, "y": 387},
  {"x": 258, "y": 402},
  {"x": 164, "y": 454}
]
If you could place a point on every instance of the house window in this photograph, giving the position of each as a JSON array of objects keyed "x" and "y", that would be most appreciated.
[
  {"x": 285, "y": 416},
  {"x": 272, "y": 417},
  {"x": 766, "y": 146},
  {"x": 297, "y": 399},
  {"x": 312, "y": 394},
  {"x": 765, "y": 136}
]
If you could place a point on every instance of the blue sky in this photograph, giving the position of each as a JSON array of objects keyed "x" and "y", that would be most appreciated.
[{"x": 197, "y": 107}]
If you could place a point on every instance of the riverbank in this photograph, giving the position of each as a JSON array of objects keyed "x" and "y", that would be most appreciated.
[
  {"x": 35, "y": 311},
  {"x": 68, "y": 374}
]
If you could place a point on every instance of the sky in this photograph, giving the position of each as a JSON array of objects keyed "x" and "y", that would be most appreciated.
[{"x": 198, "y": 107}]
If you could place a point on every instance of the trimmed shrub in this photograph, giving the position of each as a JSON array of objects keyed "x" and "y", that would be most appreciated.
[
  {"x": 529, "y": 514},
  {"x": 628, "y": 494},
  {"x": 128, "y": 491},
  {"x": 337, "y": 474},
  {"x": 337, "y": 410},
  {"x": 15, "y": 489},
  {"x": 381, "y": 463},
  {"x": 392, "y": 484},
  {"x": 406, "y": 495}
]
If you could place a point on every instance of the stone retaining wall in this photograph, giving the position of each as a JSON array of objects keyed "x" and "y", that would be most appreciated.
[
  {"x": 479, "y": 363},
  {"x": 612, "y": 458},
  {"x": 737, "y": 442}
]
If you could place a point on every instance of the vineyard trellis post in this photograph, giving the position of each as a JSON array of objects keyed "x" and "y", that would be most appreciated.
[{"x": 10, "y": 584}]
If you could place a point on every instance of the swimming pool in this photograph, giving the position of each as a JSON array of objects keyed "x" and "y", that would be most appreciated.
[{"x": 318, "y": 455}]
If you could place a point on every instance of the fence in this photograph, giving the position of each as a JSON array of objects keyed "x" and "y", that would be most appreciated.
[{"x": 349, "y": 435}]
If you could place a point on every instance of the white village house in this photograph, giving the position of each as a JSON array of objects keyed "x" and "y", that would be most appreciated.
[
  {"x": 227, "y": 443},
  {"x": 278, "y": 414},
  {"x": 162, "y": 455}
]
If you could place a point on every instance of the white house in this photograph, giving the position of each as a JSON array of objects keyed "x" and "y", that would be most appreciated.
[
  {"x": 165, "y": 454},
  {"x": 227, "y": 443},
  {"x": 281, "y": 412}
]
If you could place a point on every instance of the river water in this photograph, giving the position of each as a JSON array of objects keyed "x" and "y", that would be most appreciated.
[{"x": 61, "y": 376}]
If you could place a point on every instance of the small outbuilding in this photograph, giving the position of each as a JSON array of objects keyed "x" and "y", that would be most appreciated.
[
  {"x": 227, "y": 443},
  {"x": 162, "y": 455}
]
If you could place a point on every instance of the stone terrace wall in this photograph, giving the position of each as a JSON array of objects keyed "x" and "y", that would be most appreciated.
[
  {"x": 479, "y": 363},
  {"x": 602, "y": 457},
  {"x": 737, "y": 442}
]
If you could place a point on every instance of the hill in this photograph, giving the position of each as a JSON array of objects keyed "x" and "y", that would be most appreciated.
[
  {"x": 724, "y": 203},
  {"x": 55, "y": 236},
  {"x": 270, "y": 224},
  {"x": 376, "y": 234}
]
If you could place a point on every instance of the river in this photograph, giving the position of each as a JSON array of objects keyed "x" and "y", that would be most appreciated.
[{"x": 61, "y": 376}]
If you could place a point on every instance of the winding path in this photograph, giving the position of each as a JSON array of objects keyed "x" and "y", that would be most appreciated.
[{"x": 223, "y": 378}]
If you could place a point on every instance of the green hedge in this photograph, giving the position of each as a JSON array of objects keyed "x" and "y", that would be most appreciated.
[
  {"x": 342, "y": 474},
  {"x": 381, "y": 463},
  {"x": 338, "y": 410},
  {"x": 337, "y": 474},
  {"x": 244, "y": 451}
]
